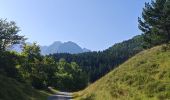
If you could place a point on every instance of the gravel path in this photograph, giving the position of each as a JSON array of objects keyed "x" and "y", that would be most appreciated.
[{"x": 61, "y": 96}]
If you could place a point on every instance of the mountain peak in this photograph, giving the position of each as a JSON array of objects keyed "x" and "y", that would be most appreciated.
[
  {"x": 66, "y": 47},
  {"x": 57, "y": 42}
]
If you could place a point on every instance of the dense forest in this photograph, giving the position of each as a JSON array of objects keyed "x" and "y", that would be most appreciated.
[{"x": 97, "y": 64}]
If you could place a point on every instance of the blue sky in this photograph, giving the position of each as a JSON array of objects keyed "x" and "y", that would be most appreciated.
[{"x": 93, "y": 24}]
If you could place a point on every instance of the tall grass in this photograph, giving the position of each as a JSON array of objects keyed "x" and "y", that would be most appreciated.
[{"x": 145, "y": 76}]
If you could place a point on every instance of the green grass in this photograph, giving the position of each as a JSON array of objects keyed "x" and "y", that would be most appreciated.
[
  {"x": 145, "y": 76},
  {"x": 10, "y": 89}
]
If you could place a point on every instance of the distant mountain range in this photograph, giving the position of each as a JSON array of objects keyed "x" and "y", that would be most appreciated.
[{"x": 56, "y": 47}]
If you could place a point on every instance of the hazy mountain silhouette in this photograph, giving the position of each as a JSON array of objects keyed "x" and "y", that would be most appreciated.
[
  {"x": 59, "y": 47},
  {"x": 51, "y": 48},
  {"x": 56, "y": 47}
]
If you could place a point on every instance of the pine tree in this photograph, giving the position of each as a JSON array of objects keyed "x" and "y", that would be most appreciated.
[{"x": 155, "y": 22}]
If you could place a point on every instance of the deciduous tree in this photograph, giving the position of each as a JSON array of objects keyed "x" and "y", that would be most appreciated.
[{"x": 9, "y": 34}]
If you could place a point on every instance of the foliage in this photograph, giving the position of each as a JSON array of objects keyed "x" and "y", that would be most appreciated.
[
  {"x": 32, "y": 68},
  {"x": 9, "y": 61},
  {"x": 155, "y": 22},
  {"x": 9, "y": 34},
  {"x": 42, "y": 72},
  {"x": 70, "y": 76}
]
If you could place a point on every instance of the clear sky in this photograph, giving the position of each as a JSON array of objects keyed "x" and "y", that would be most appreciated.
[{"x": 93, "y": 24}]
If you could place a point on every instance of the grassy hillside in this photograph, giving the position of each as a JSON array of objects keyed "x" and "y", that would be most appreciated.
[
  {"x": 10, "y": 89},
  {"x": 145, "y": 76}
]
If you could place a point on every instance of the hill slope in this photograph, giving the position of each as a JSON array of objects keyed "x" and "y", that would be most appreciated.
[
  {"x": 10, "y": 89},
  {"x": 145, "y": 76}
]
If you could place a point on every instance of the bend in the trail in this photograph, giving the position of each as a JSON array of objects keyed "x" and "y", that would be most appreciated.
[{"x": 61, "y": 96}]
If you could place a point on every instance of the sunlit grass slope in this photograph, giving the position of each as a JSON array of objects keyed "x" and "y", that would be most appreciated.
[
  {"x": 10, "y": 89},
  {"x": 145, "y": 76}
]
